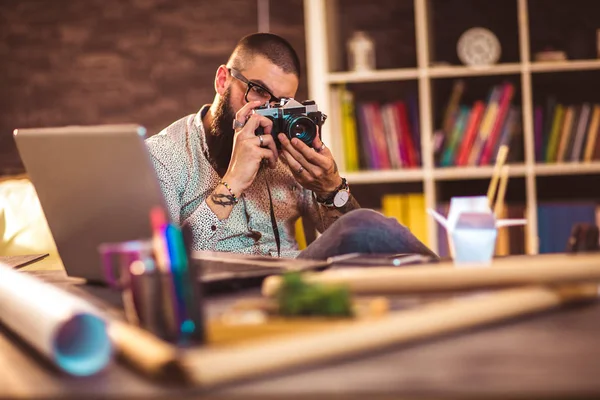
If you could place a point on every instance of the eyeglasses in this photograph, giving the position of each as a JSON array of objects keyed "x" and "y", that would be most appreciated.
[{"x": 254, "y": 92}]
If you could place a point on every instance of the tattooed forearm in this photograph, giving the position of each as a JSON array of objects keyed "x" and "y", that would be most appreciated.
[
  {"x": 223, "y": 200},
  {"x": 330, "y": 214}
]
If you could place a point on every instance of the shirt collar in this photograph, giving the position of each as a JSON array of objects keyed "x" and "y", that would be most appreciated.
[
  {"x": 200, "y": 127},
  {"x": 201, "y": 114}
]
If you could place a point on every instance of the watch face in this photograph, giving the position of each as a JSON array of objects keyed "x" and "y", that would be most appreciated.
[{"x": 341, "y": 198}]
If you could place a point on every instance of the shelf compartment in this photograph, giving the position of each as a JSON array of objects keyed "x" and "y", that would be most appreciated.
[
  {"x": 371, "y": 196},
  {"x": 449, "y": 19},
  {"x": 384, "y": 126},
  {"x": 379, "y": 20},
  {"x": 471, "y": 119},
  {"x": 566, "y": 108},
  {"x": 568, "y": 188},
  {"x": 564, "y": 26}
]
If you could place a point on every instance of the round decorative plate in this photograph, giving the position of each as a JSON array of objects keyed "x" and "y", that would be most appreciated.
[{"x": 478, "y": 47}]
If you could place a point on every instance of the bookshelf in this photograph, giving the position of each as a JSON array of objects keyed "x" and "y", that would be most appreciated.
[{"x": 323, "y": 58}]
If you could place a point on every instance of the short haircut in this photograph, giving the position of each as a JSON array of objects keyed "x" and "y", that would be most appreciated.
[{"x": 274, "y": 48}]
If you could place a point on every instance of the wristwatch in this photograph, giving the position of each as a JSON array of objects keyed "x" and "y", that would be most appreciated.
[{"x": 338, "y": 198}]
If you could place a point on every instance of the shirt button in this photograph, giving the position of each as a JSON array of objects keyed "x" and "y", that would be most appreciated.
[{"x": 213, "y": 228}]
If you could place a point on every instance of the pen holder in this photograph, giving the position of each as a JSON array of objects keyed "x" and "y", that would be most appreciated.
[{"x": 164, "y": 302}]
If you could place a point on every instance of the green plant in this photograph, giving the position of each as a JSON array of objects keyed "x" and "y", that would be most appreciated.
[{"x": 296, "y": 297}]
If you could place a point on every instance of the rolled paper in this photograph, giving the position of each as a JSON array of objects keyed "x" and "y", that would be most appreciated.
[{"x": 64, "y": 328}]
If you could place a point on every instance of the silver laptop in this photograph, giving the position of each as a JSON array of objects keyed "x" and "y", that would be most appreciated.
[{"x": 96, "y": 184}]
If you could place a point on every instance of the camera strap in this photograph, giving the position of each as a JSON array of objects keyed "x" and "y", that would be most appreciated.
[{"x": 272, "y": 211}]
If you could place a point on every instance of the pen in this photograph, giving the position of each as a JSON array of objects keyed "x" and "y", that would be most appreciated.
[
  {"x": 178, "y": 267},
  {"x": 158, "y": 222},
  {"x": 188, "y": 304}
]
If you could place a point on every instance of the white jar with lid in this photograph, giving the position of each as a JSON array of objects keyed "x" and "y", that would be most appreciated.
[{"x": 361, "y": 52}]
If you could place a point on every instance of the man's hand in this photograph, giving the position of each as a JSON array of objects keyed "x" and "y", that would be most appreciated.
[
  {"x": 249, "y": 150},
  {"x": 314, "y": 169}
]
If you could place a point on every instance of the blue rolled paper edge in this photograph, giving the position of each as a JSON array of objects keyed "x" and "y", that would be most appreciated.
[{"x": 82, "y": 345}]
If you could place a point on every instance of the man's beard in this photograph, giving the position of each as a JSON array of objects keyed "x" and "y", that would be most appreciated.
[{"x": 220, "y": 136}]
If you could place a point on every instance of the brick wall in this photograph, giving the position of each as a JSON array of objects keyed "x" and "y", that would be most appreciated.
[{"x": 110, "y": 61}]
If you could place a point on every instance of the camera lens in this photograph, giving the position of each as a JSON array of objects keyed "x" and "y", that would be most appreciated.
[{"x": 302, "y": 128}]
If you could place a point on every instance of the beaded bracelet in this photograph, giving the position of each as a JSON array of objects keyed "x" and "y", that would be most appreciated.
[{"x": 235, "y": 199}]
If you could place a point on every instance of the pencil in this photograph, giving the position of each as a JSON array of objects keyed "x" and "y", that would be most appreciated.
[
  {"x": 500, "y": 160},
  {"x": 501, "y": 191}
]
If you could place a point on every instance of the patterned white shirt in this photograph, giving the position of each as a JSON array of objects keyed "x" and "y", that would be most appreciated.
[{"x": 187, "y": 178}]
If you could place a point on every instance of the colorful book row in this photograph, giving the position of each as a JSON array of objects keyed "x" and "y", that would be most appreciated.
[
  {"x": 379, "y": 135},
  {"x": 566, "y": 133},
  {"x": 472, "y": 135}
]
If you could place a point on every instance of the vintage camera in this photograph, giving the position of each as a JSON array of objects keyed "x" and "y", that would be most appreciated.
[{"x": 294, "y": 119}]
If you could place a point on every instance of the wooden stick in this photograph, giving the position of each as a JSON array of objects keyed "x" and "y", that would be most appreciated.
[
  {"x": 218, "y": 365},
  {"x": 506, "y": 271},
  {"x": 145, "y": 352},
  {"x": 501, "y": 191},
  {"x": 500, "y": 160}
]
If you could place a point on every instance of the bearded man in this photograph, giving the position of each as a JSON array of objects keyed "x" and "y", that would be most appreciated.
[{"x": 241, "y": 191}]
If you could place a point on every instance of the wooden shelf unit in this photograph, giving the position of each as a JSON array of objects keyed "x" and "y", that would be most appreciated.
[{"x": 320, "y": 30}]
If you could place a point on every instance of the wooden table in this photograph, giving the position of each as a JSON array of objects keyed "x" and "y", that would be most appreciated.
[{"x": 555, "y": 354}]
